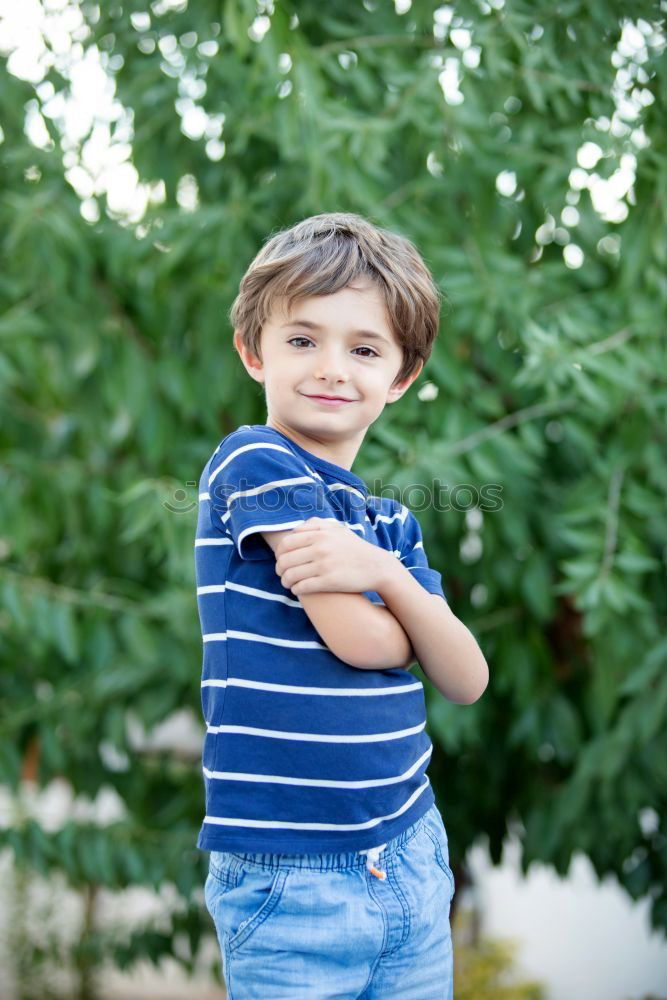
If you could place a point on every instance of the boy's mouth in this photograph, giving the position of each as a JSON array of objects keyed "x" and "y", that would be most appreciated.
[{"x": 329, "y": 400}]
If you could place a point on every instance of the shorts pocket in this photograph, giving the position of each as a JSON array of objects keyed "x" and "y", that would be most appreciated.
[
  {"x": 435, "y": 829},
  {"x": 241, "y": 897}
]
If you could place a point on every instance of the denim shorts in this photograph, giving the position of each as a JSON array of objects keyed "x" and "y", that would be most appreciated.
[{"x": 337, "y": 926}]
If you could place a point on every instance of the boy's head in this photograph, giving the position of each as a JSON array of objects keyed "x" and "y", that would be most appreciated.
[{"x": 342, "y": 277}]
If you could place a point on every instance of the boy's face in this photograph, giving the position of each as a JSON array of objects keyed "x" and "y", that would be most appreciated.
[{"x": 334, "y": 355}]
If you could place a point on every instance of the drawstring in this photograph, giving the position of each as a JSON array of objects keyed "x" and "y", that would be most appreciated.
[{"x": 373, "y": 855}]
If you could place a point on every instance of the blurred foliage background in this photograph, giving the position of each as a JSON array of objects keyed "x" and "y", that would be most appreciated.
[{"x": 521, "y": 145}]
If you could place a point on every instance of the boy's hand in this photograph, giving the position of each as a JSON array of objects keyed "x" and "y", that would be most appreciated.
[{"x": 321, "y": 556}]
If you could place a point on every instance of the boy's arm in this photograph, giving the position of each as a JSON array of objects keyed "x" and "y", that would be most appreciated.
[
  {"x": 446, "y": 649},
  {"x": 362, "y": 634}
]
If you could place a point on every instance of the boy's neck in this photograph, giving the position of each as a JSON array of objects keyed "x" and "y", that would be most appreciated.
[{"x": 338, "y": 452}]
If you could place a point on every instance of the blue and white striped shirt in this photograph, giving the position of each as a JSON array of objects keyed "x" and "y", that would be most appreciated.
[{"x": 303, "y": 753}]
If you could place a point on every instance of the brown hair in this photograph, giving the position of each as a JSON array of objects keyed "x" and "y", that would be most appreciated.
[{"x": 324, "y": 253}]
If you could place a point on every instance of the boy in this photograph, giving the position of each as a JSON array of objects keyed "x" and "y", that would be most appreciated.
[{"x": 329, "y": 869}]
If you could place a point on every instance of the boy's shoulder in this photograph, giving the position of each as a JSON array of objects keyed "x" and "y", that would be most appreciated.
[
  {"x": 244, "y": 433},
  {"x": 249, "y": 436}
]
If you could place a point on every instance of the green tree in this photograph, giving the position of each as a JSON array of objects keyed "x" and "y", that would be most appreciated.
[{"x": 521, "y": 145}]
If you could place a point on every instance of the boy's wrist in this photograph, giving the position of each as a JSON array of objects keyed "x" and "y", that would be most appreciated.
[{"x": 389, "y": 571}]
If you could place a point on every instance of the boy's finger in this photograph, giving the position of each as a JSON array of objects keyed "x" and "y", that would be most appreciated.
[{"x": 293, "y": 540}]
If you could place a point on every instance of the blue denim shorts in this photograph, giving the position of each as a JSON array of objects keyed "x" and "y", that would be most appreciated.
[{"x": 337, "y": 926}]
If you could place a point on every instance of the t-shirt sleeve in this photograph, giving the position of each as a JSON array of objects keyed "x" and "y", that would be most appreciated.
[
  {"x": 413, "y": 557},
  {"x": 257, "y": 484}
]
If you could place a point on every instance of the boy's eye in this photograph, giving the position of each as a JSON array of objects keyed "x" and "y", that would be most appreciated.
[{"x": 373, "y": 353}]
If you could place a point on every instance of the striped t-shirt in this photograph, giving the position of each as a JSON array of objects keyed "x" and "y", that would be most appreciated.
[{"x": 303, "y": 753}]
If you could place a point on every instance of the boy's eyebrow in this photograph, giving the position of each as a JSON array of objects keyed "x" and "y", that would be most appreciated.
[{"x": 371, "y": 334}]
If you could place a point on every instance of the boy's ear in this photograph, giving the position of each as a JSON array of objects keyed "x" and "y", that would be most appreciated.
[
  {"x": 252, "y": 364},
  {"x": 399, "y": 388}
]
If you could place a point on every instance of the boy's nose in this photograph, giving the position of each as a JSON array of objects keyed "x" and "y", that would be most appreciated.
[{"x": 332, "y": 368}]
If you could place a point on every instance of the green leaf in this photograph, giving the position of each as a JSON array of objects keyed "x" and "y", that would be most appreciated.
[
  {"x": 66, "y": 632},
  {"x": 635, "y": 562}
]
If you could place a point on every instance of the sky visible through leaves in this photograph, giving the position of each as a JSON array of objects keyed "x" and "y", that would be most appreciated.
[{"x": 36, "y": 36}]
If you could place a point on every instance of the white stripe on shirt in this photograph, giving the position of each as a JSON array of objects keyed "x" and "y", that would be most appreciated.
[
  {"x": 280, "y": 779},
  {"x": 279, "y": 734}
]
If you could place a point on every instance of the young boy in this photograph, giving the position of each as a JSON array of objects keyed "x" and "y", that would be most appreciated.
[{"x": 329, "y": 868}]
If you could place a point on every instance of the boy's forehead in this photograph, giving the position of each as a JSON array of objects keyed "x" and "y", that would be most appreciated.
[{"x": 317, "y": 308}]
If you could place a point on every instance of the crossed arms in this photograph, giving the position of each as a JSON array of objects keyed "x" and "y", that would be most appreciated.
[
  {"x": 328, "y": 567},
  {"x": 360, "y": 633}
]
